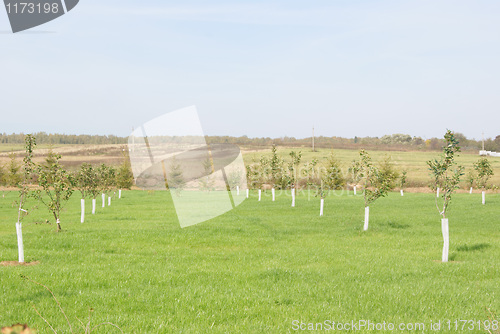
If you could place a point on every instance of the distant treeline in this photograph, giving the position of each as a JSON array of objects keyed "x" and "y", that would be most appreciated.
[
  {"x": 388, "y": 142},
  {"x": 59, "y": 139}
]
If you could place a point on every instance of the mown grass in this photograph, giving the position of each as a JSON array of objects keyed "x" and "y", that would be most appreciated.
[{"x": 256, "y": 268}]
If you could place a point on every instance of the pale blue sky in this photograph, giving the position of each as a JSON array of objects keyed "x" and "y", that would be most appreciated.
[{"x": 258, "y": 68}]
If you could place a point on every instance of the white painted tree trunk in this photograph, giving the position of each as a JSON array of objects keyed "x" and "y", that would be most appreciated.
[
  {"x": 237, "y": 190},
  {"x": 260, "y": 194},
  {"x": 446, "y": 239},
  {"x": 82, "y": 219},
  {"x": 293, "y": 197},
  {"x": 274, "y": 194},
  {"x": 93, "y": 205},
  {"x": 437, "y": 192},
  {"x": 248, "y": 193},
  {"x": 58, "y": 222},
  {"x": 470, "y": 192},
  {"x": 103, "y": 200},
  {"x": 109, "y": 200},
  {"x": 322, "y": 205},
  {"x": 119, "y": 193},
  {"x": 20, "y": 246},
  {"x": 484, "y": 197},
  {"x": 402, "y": 192},
  {"x": 354, "y": 190},
  {"x": 367, "y": 218}
]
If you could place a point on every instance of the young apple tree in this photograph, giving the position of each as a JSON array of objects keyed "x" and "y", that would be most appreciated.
[
  {"x": 24, "y": 191},
  {"x": 355, "y": 171},
  {"x": 84, "y": 179},
  {"x": 376, "y": 183},
  {"x": 447, "y": 173},
  {"x": 402, "y": 181},
  {"x": 483, "y": 173},
  {"x": 56, "y": 186}
]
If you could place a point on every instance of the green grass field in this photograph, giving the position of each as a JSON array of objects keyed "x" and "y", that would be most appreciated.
[{"x": 255, "y": 269}]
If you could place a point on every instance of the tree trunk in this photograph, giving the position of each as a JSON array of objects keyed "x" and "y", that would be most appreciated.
[
  {"x": 93, "y": 206},
  {"x": 437, "y": 192},
  {"x": 367, "y": 218},
  {"x": 274, "y": 194},
  {"x": 82, "y": 219},
  {"x": 119, "y": 193},
  {"x": 354, "y": 190},
  {"x": 484, "y": 196},
  {"x": 402, "y": 192},
  {"x": 20, "y": 245},
  {"x": 470, "y": 192},
  {"x": 237, "y": 190},
  {"x": 293, "y": 197},
  {"x": 103, "y": 200},
  {"x": 58, "y": 225},
  {"x": 248, "y": 193},
  {"x": 446, "y": 239},
  {"x": 322, "y": 205},
  {"x": 109, "y": 200},
  {"x": 260, "y": 194}
]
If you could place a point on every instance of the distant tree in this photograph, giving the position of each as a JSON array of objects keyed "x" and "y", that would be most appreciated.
[
  {"x": 107, "y": 178},
  {"x": 56, "y": 186},
  {"x": 470, "y": 179},
  {"x": 355, "y": 173},
  {"x": 388, "y": 171},
  {"x": 497, "y": 143},
  {"x": 207, "y": 182},
  {"x": 310, "y": 174},
  {"x": 124, "y": 175},
  {"x": 276, "y": 165},
  {"x": 14, "y": 175},
  {"x": 333, "y": 178},
  {"x": 3, "y": 176},
  {"x": 483, "y": 173},
  {"x": 403, "y": 179},
  {"x": 84, "y": 179},
  {"x": 175, "y": 179},
  {"x": 293, "y": 167},
  {"x": 447, "y": 173}
]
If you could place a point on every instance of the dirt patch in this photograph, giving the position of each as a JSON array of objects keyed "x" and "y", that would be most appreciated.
[{"x": 16, "y": 263}]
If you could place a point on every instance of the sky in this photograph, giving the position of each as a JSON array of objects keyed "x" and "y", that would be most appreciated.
[{"x": 258, "y": 68}]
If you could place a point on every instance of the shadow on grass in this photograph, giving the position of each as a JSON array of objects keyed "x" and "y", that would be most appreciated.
[
  {"x": 397, "y": 226},
  {"x": 472, "y": 248}
]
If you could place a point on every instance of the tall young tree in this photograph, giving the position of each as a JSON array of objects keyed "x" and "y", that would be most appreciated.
[
  {"x": 447, "y": 173},
  {"x": 483, "y": 173},
  {"x": 376, "y": 184},
  {"x": 124, "y": 175},
  {"x": 24, "y": 191},
  {"x": 56, "y": 186},
  {"x": 175, "y": 177}
]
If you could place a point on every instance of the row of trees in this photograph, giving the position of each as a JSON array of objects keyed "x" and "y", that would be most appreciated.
[
  {"x": 51, "y": 185},
  {"x": 394, "y": 141}
]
